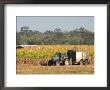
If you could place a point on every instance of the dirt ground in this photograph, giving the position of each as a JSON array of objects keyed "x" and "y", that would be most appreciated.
[{"x": 72, "y": 69}]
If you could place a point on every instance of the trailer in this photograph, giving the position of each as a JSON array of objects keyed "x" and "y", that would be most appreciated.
[
  {"x": 76, "y": 57},
  {"x": 70, "y": 58}
]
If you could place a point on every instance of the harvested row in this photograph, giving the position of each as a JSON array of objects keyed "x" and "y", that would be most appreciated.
[
  {"x": 37, "y": 62},
  {"x": 33, "y": 62}
]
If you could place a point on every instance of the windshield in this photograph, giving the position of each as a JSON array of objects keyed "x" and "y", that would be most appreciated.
[{"x": 56, "y": 56}]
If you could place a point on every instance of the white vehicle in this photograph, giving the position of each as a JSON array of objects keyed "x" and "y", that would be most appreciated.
[{"x": 78, "y": 57}]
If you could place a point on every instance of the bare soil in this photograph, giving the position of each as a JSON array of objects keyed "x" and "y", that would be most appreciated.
[{"x": 39, "y": 69}]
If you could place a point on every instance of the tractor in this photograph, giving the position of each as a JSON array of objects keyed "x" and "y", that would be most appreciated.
[{"x": 70, "y": 58}]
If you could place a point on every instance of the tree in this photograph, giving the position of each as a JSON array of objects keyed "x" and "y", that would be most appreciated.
[
  {"x": 25, "y": 28},
  {"x": 76, "y": 36}
]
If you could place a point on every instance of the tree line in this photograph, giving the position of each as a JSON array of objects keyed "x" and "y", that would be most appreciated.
[{"x": 80, "y": 36}]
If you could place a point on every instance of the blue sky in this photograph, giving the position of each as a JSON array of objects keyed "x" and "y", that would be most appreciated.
[{"x": 66, "y": 23}]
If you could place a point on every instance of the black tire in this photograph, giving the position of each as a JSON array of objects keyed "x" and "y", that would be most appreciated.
[
  {"x": 50, "y": 63},
  {"x": 57, "y": 63},
  {"x": 70, "y": 62},
  {"x": 66, "y": 62},
  {"x": 86, "y": 62},
  {"x": 81, "y": 62}
]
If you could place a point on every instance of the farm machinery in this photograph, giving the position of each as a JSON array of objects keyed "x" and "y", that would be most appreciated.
[{"x": 70, "y": 58}]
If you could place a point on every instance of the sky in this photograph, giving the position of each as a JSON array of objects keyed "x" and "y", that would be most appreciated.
[{"x": 66, "y": 23}]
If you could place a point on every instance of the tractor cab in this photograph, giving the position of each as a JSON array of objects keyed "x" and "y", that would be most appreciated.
[
  {"x": 57, "y": 59},
  {"x": 59, "y": 56}
]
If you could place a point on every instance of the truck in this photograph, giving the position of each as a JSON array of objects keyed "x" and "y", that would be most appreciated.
[{"x": 71, "y": 57}]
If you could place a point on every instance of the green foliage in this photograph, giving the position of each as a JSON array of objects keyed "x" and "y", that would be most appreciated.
[
  {"x": 79, "y": 36},
  {"x": 91, "y": 53}
]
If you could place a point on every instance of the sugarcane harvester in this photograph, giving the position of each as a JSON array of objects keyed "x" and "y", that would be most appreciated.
[{"x": 70, "y": 58}]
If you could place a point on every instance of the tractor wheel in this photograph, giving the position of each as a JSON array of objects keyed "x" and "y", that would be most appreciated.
[
  {"x": 81, "y": 62},
  {"x": 70, "y": 62},
  {"x": 57, "y": 63},
  {"x": 49, "y": 62},
  {"x": 66, "y": 62},
  {"x": 86, "y": 61}
]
